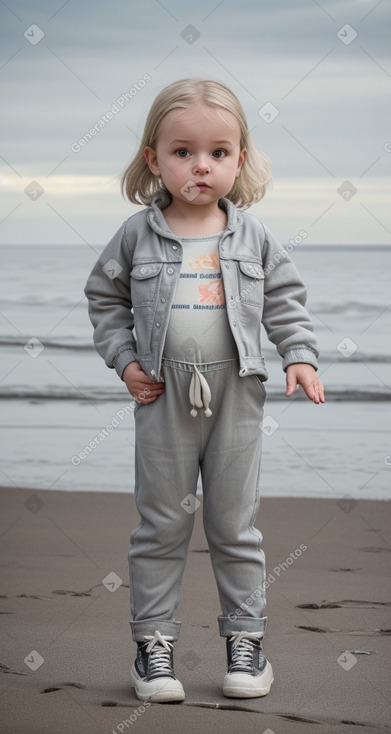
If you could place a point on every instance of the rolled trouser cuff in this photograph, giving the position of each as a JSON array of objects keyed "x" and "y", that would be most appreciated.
[
  {"x": 149, "y": 627},
  {"x": 233, "y": 623}
]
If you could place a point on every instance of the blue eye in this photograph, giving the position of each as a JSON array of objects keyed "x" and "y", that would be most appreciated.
[{"x": 184, "y": 153}]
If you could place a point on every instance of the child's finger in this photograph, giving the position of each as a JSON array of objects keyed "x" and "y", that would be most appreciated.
[
  {"x": 145, "y": 393},
  {"x": 315, "y": 391},
  {"x": 318, "y": 393},
  {"x": 291, "y": 387}
]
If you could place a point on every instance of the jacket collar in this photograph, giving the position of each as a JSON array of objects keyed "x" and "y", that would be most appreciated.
[{"x": 162, "y": 198}]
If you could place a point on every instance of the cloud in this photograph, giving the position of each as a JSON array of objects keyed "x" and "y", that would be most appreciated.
[
  {"x": 332, "y": 118},
  {"x": 89, "y": 209}
]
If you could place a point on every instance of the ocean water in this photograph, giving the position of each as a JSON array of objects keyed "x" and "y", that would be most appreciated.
[{"x": 56, "y": 394}]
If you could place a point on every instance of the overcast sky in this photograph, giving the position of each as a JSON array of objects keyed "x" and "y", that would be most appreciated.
[{"x": 323, "y": 65}]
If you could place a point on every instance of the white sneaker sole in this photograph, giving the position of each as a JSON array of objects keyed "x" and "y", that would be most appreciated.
[
  {"x": 160, "y": 690},
  {"x": 242, "y": 685}
]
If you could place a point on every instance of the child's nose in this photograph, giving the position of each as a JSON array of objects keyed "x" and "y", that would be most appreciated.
[{"x": 201, "y": 165}]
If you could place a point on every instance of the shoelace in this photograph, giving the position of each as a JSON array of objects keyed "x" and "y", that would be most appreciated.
[
  {"x": 159, "y": 648},
  {"x": 242, "y": 649}
]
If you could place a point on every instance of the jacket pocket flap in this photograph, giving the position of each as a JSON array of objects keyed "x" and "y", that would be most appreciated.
[
  {"x": 147, "y": 270},
  {"x": 253, "y": 270}
]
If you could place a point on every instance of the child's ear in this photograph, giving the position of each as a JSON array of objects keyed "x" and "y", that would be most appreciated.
[
  {"x": 241, "y": 159},
  {"x": 150, "y": 157}
]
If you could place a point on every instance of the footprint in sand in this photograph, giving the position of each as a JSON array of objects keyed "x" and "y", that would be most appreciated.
[
  {"x": 60, "y": 686},
  {"x": 360, "y": 633},
  {"x": 350, "y": 603}
]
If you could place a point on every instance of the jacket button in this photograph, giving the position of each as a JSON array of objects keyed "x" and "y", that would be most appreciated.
[
  {"x": 158, "y": 323},
  {"x": 170, "y": 271},
  {"x": 163, "y": 300},
  {"x": 227, "y": 266},
  {"x": 143, "y": 271},
  {"x": 234, "y": 323},
  {"x": 175, "y": 247}
]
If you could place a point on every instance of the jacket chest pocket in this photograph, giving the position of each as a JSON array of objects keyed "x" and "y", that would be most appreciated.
[
  {"x": 251, "y": 278},
  {"x": 144, "y": 283}
]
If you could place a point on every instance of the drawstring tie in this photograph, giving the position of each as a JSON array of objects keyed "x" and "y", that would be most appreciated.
[{"x": 199, "y": 393}]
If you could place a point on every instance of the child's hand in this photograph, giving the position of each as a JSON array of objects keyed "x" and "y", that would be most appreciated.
[
  {"x": 143, "y": 389},
  {"x": 304, "y": 375}
]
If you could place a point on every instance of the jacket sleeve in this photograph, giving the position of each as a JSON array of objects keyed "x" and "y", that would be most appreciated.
[
  {"x": 285, "y": 317},
  {"x": 109, "y": 303}
]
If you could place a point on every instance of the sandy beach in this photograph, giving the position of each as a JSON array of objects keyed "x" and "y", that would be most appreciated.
[{"x": 67, "y": 647}]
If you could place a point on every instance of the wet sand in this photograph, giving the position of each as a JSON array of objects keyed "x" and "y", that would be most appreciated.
[{"x": 67, "y": 647}]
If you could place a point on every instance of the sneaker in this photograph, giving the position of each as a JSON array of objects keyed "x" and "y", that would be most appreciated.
[
  {"x": 153, "y": 670},
  {"x": 249, "y": 672}
]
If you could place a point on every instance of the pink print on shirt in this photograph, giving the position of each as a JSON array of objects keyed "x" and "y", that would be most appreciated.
[
  {"x": 211, "y": 293},
  {"x": 206, "y": 262}
]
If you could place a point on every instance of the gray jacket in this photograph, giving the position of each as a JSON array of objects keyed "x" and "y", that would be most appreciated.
[{"x": 131, "y": 287}]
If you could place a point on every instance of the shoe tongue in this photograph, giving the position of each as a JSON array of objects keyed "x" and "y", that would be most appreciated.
[
  {"x": 246, "y": 637},
  {"x": 158, "y": 639}
]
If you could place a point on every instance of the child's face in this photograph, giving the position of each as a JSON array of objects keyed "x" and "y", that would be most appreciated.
[{"x": 197, "y": 154}]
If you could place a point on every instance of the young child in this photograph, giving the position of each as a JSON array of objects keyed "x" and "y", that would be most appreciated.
[{"x": 177, "y": 299}]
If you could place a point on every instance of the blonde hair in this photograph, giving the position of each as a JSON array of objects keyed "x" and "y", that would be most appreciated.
[{"x": 139, "y": 184}]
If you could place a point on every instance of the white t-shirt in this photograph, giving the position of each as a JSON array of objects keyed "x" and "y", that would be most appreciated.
[{"x": 198, "y": 330}]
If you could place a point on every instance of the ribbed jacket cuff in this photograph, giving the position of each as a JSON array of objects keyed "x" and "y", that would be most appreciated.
[
  {"x": 122, "y": 360},
  {"x": 297, "y": 355}
]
